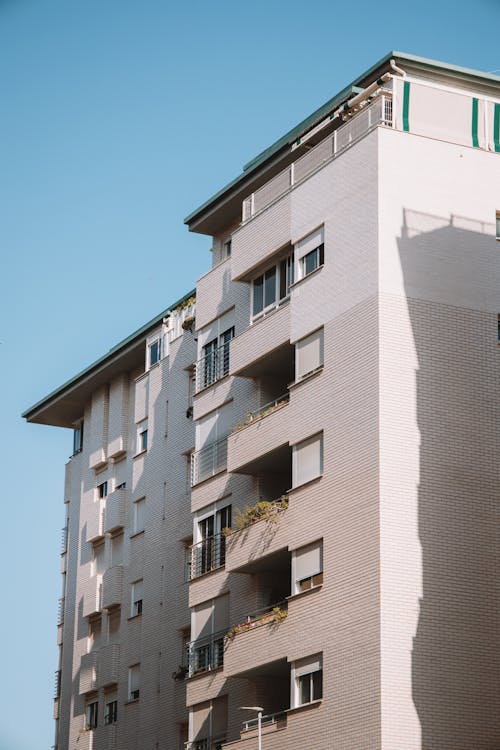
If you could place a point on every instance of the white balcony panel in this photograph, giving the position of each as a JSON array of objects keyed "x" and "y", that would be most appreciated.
[
  {"x": 112, "y": 586},
  {"x": 260, "y": 339},
  {"x": 114, "y": 517}
]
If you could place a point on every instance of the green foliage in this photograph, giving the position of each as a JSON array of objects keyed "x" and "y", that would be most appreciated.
[{"x": 264, "y": 510}]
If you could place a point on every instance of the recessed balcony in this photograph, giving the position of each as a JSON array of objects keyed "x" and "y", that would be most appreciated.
[
  {"x": 206, "y": 654},
  {"x": 114, "y": 516}
]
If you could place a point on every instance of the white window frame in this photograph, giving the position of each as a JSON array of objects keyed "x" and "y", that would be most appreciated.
[
  {"x": 92, "y": 714},
  {"x": 319, "y": 332},
  {"x": 142, "y": 428},
  {"x": 134, "y": 693},
  {"x": 78, "y": 437},
  {"x": 102, "y": 490},
  {"x": 305, "y": 668},
  {"x": 313, "y": 438},
  {"x": 316, "y": 239},
  {"x": 226, "y": 249},
  {"x": 136, "y": 523},
  {"x": 136, "y": 603},
  {"x": 315, "y": 579},
  {"x": 278, "y": 300}
]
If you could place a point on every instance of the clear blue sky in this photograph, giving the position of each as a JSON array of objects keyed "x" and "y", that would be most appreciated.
[{"x": 117, "y": 118}]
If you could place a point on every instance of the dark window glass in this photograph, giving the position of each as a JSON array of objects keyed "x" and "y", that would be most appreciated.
[
  {"x": 103, "y": 489},
  {"x": 154, "y": 352},
  {"x": 305, "y": 689},
  {"x": 317, "y": 685},
  {"x": 225, "y": 339},
  {"x": 78, "y": 438},
  {"x": 258, "y": 295},
  {"x": 143, "y": 440},
  {"x": 270, "y": 287},
  {"x": 111, "y": 712}
]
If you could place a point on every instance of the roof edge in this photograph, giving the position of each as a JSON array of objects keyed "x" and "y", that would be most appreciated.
[{"x": 58, "y": 392}]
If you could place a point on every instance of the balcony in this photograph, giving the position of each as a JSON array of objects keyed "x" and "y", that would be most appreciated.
[
  {"x": 60, "y": 611},
  {"x": 260, "y": 536},
  {"x": 206, "y": 654},
  {"x": 377, "y": 113},
  {"x": 88, "y": 673},
  {"x": 252, "y": 444},
  {"x": 208, "y": 743},
  {"x": 209, "y": 461},
  {"x": 109, "y": 665},
  {"x": 207, "y": 555},
  {"x": 95, "y": 523},
  {"x": 267, "y": 336},
  {"x": 114, "y": 517},
  {"x": 112, "y": 586},
  {"x": 92, "y": 596},
  {"x": 213, "y": 367}
]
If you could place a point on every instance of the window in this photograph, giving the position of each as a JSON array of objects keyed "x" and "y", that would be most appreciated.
[
  {"x": 307, "y": 460},
  {"x": 209, "y": 550},
  {"x": 307, "y": 567},
  {"x": 498, "y": 225},
  {"x": 117, "y": 549},
  {"x": 142, "y": 437},
  {"x": 98, "y": 558},
  {"x": 308, "y": 354},
  {"x": 226, "y": 250},
  {"x": 134, "y": 681},
  {"x": 154, "y": 352},
  {"x": 216, "y": 357},
  {"x": 143, "y": 441},
  {"x": 91, "y": 715},
  {"x": 102, "y": 490},
  {"x": 136, "y": 599},
  {"x": 209, "y": 623},
  {"x": 139, "y": 515},
  {"x": 307, "y": 680},
  {"x": 78, "y": 438},
  {"x": 272, "y": 287},
  {"x": 111, "y": 713},
  {"x": 310, "y": 252},
  {"x": 94, "y": 636}
]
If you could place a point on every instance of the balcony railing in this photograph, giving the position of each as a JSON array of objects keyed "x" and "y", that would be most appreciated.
[
  {"x": 278, "y": 718},
  {"x": 377, "y": 113},
  {"x": 212, "y": 367},
  {"x": 208, "y": 461},
  {"x": 208, "y": 743},
  {"x": 263, "y": 411},
  {"x": 60, "y": 611},
  {"x": 207, "y": 555},
  {"x": 64, "y": 540},
  {"x": 272, "y": 613},
  {"x": 206, "y": 653},
  {"x": 57, "y": 684}
]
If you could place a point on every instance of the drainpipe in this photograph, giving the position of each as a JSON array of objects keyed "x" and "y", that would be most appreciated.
[{"x": 396, "y": 69}]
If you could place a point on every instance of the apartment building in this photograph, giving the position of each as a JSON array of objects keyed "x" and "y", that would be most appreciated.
[{"x": 284, "y": 489}]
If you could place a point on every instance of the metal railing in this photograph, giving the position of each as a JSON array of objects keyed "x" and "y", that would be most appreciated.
[
  {"x": 208, "y": 461},
  {"x": 206, "y": 653},
  {"x": 60, "y": 611},
  {"x": 212, "y": 367},
  {"x": 260, "y": 614},
  {"x": 276, "y": 718},
  {"x": 207, "y": 555},
  {"x": 208, "y": 743},
  {"x": 377, "y": 113},
  {"x": 64, "y": 539},
  {"x": 264, "y": 411},
  {"x": 57, "y": 684}
]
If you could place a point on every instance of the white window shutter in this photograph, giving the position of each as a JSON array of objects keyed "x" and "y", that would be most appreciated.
[
  {"x": 309, "y": 243},
  {"x": 309, "y": 354},
  {"x": 307, "y": 460},
  {"x": 308, "y": 561}
]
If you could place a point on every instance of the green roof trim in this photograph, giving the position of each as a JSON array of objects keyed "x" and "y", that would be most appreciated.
[
  {"x": 322, "y": 111},
  {"x": 114, "y": 350}
]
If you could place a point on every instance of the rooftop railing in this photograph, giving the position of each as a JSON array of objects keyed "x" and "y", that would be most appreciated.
[
  {"x": 208, "y": 461},
  {"x": 207, "y": 555},
  {"x": 377, "y": 113},
  {"x": 212, "y": 367}
]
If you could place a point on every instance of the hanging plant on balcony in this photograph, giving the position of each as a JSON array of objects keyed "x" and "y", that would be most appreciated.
[
  {"x": 264, "y": 510},
  {"x": 276, "y": 615}
]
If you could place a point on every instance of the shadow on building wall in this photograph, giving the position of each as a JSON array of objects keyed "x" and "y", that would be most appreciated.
[{"x": 450, "y": 274}]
